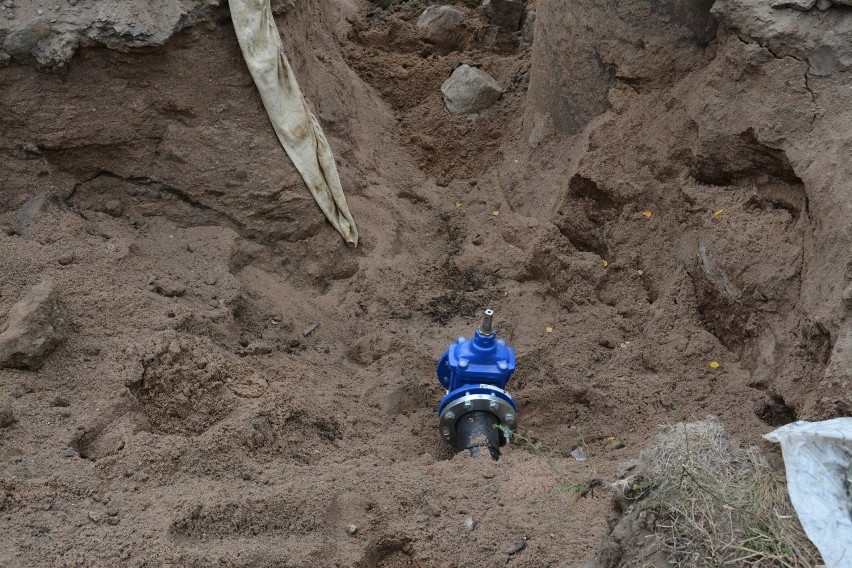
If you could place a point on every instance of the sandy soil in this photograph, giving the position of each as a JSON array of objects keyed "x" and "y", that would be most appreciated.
[{"x": 678, "y": 201}]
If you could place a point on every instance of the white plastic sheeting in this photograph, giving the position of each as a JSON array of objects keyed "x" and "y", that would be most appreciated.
[
  {"x": 297, "y": 128},
  {"x": 817, "y": 457}
]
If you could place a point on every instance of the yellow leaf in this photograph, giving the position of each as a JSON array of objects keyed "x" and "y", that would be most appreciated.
[
  {"x": 605, "y": 263},
  {"x": 718, "y": 212},
  {"x": 458, "y": 204},
  {"x": 495, "y": 213},
  {"x": 647, "y": 213},
  {"x": 548, "y": 329},
  {"x": 714, "y": 364},
  {"x": 610, "y": 438}
]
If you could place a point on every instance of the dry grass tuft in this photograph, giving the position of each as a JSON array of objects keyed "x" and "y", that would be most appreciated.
[{"x": 718, "y": 504}]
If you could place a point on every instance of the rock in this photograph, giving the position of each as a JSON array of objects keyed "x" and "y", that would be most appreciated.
[
  {"x": 34, "y": 210},
  {"x": 94, "y": 517},
  {"x": 352, "y": 528},
  {"x": 7, "y": 415},
  {"x": 504, "y": 13},
  {"x": 169, "y": 288},
  {"x": 803, "y": 5},
  {"x": 440, "y": 25},
  {"x": 823, "y": 5},
  {"x": 117, "y": 24},
  {"x": 65, "y": 258},
  {"x": 824, "y": 42},
  {"x": 113, "y": 207},
  {"x": 69, "y": 453},
  {"x": 34, "y": 327},
  {"x": 470, "y": 90},
  {"x": 528, "y": 28},
  {"x": 20, "y": 42}
]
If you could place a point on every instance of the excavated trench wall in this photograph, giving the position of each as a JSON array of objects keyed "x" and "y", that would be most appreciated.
[{"x": 661, "y": 185}]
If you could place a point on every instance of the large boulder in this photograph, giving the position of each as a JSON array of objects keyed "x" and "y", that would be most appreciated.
[
  {"x": 441, "y": 26},
  {"x": 470, "y": 90},
  {"x": 34, "y": 327}
]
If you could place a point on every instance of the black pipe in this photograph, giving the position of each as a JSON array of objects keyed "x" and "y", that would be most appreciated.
[{"x": 476, "y": 431}]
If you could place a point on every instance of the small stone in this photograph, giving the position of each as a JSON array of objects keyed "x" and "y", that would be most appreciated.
[
  {"x": 40, "y": 208},
  {"x": 352, "y": 528},
  {"x": 34, "y": 327},
  {"x": 113, "y": 207},
  {"x": 469, "y": 523},
  {"x": 470, "y": 90},
  {"x": 210, "y": 280},
  {"x": 69, "y": 453},
  {"x": 40, "y": 12},
  {"x": 66, "y": 258},
  {"x": 94, "y": 517},
  {"x": 823, "y": 5},
  {"x": 112, "y": 511},
  {"x": 7, "y": 415},
  {"x": 504, "y": 13},
  {"x": 169, "y": 288},
  {"x": 528, "y": 27}
]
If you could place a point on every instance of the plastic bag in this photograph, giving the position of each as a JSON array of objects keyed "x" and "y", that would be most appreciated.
[{"x": 817, "y": 457}]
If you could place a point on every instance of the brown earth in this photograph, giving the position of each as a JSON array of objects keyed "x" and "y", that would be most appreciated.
[{"x": 662, "y": 186}]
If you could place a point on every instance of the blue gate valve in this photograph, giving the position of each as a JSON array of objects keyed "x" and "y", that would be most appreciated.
[{"x": 477, "y": 411}]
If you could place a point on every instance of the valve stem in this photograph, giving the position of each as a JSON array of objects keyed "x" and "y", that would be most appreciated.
[{"x": 485, "y": 327}]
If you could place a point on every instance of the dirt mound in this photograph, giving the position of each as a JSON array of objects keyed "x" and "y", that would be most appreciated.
[{"x": 656, "y": 208}]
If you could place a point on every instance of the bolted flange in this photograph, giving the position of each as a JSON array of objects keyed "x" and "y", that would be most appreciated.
[{"x": 475, "y": 372}]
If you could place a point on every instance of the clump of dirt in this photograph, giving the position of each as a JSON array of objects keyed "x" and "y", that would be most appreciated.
[{"x": 654, "y": 208}]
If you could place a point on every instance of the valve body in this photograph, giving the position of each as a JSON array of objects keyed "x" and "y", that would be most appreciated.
[{"x": 475, "y": 372}]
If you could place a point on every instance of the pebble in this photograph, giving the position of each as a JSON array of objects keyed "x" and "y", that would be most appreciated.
[
  {"x": 69, "y": 453},
  {"x": 169, "y": 288},
  {"x": 352, "y": 528},
  {"x": 94, "y": 517},
  {"x": 66, "y": 258},
  {"x": 469, "y": 523}
]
